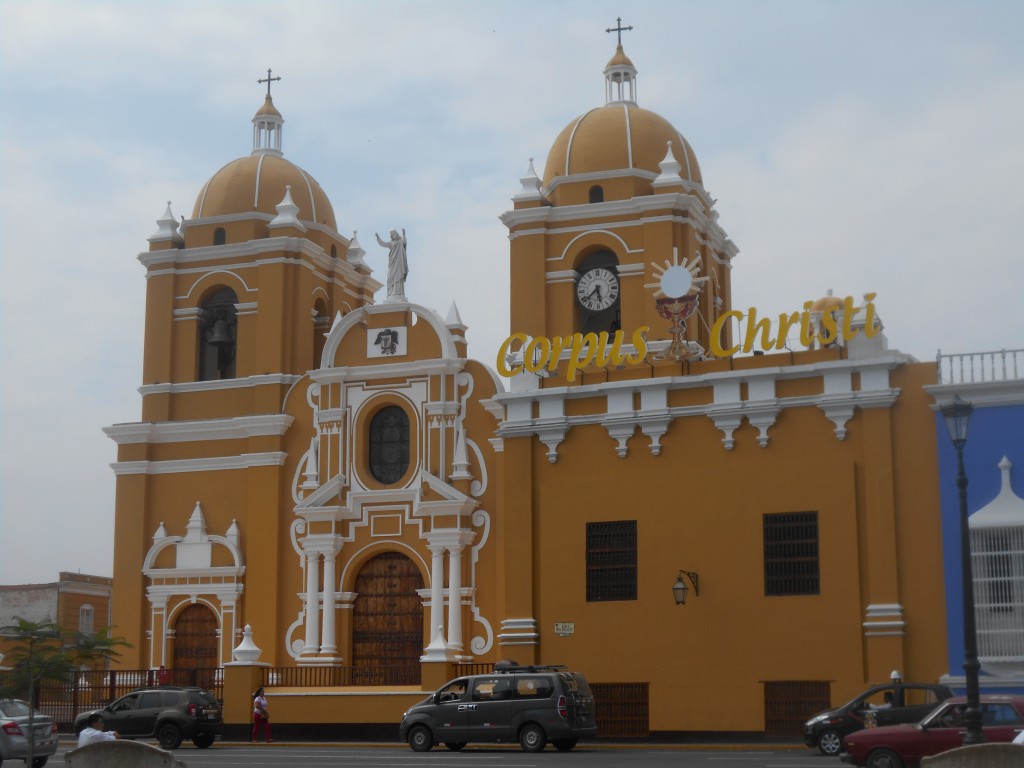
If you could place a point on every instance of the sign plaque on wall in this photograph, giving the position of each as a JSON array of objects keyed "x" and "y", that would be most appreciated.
[{"x": 565, "y": 628}]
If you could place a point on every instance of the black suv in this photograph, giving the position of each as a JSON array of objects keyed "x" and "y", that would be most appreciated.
[
  {"x": 881, "y": 705},
  {"x": 169, "y": 713},
  {"x": 531, "y": 705}
]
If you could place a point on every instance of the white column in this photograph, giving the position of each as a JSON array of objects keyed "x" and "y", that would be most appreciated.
[
  {"x": 329, "y": 645},
  {"x": 436, "y": 591},
  {"x": 455, "y": 597},
  {"x": 312, "y": 602},
  {"x": 158, "y": 638}
]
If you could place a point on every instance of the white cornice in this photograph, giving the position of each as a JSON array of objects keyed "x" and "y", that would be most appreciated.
[
  {"x": 211, "y": 464},
  {"x": 984, "y": 394},
  {"x": 213, "y": 386},
  {"x": 397, "y": 370},
  {"x": 239, "y": 428},
  {"x": 761, "y": 408},
  {"x": 180, "y": 261},
  {"x": 624, "y": 210}
]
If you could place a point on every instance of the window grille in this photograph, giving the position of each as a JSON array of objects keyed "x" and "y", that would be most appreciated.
[
  {"x": 791, "y": 564},
  {"x": 611, "y": 561},
  {"x": 997, "y": 562},
  {"x": 788, "y": 702},
  {"x": 621, "y": 709},
  {"x": 389, "y": 444}
]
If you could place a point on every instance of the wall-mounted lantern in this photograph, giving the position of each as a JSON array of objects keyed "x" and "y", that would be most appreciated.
[{"x": 679, "y": 589}]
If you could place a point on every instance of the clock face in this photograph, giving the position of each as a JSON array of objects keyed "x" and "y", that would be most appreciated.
[{"x": 598, "y": 289}]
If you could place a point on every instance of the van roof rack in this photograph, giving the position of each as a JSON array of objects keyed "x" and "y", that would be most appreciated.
[{"x": 501, "y": 667}]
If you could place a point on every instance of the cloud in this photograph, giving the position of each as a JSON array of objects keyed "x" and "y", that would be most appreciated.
[{"x": 858, "y": 146}]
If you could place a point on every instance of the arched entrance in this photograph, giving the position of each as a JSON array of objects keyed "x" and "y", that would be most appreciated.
[
  {"x": 195, "y": 646},
  {"x": 387, "y": 622}
]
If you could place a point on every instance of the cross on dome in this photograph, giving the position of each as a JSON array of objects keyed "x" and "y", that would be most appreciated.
[
  {"x": 620, "y": 74},
  {"x": 268, "y": 79},
  {"x": 267, "y": 123},
  {"x": 618, "y": 29}
]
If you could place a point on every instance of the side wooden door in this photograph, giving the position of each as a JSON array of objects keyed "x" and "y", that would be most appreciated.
[
  {"x": 195, "y": 640},
  {"x": 387, "y": 622}
]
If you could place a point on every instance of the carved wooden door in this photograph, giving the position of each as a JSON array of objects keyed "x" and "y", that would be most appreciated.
[
  {"x": 195, "y": 639},
  {"x": 387, "y": 622}
]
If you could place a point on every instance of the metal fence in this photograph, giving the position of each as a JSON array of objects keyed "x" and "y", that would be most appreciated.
[
  {"x": 320, "y": 677},
  {"x": 62, "y": 700}
]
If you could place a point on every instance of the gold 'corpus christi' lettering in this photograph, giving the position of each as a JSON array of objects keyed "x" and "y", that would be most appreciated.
[
  {"x": 827, "y": 334},
  {"x": 584, "y": 349}
]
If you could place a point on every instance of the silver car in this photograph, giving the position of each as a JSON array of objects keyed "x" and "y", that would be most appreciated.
[{"x": 14, "y": 733}]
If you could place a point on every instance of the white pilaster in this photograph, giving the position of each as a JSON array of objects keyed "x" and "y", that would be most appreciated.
[
  {"x": 312, "y": 603},
  {"x": 455, "y": 597},
  {"x": 329, "y": 643}
]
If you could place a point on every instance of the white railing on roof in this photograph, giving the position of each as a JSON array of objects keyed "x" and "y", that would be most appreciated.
[{"x": 1001, "y": 365}]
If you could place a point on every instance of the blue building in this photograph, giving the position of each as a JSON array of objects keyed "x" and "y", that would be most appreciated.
[{"x": 993, "y": 382}]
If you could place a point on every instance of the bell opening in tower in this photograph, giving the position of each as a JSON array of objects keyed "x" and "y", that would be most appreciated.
[{"x": 218, "y": 335}]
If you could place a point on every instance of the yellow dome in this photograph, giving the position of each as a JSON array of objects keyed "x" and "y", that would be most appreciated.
[
  {"x": 268, "y": 108},
  {"x": 827, "y": 303},
  {"x": 620, "y": 59},
  {"x": 257, "y": 183},
  {"x": 618, "y": 136}
]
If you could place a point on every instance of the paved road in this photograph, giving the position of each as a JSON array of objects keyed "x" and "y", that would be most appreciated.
[{"x": 283, "y": 755}]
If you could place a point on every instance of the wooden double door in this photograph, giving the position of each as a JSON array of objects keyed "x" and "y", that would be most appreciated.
[
  {"x": 195, "y": 639},
  {"x": 387, "y": 622}
]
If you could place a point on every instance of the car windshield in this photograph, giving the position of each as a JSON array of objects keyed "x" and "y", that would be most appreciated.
[
  {"x": 14, "y": 708},
  {"x": 945, "y": 716}
]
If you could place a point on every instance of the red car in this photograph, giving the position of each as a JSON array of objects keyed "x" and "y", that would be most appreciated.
[{"x": 902, "y": 746}]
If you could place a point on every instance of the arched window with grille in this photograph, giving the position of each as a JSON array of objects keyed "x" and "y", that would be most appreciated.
[{"x": 389, "y": 444}]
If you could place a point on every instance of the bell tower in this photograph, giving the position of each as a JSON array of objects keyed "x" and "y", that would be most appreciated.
[
  {"x": 241, "y": 294},
  {"x": 622, "y": 198}
]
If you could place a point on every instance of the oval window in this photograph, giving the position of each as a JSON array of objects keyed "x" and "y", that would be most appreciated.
[{"x": 389, "y": 444}]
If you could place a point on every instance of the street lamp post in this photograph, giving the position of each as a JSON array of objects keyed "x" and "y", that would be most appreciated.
[{"x": 957, "y": 415}]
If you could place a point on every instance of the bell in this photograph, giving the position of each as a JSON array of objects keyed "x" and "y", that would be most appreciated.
[{"x": 221, "y": 335}]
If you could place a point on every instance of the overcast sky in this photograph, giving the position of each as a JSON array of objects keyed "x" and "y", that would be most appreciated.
[{"x": 858, "y": 146}]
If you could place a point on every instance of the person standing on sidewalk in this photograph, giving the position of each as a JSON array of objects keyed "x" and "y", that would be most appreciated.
[{"x": 260, "y": 716}]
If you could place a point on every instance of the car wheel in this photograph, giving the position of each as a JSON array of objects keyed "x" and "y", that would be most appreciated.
[
  {"x": 168, "y": 736},
  {"x": 456, "y": 746},
  {"x": 564, "y": 745},
  {"x": 421, "y": 739},
  {"x": 883, "y": 758},
  {"x": 203, "y": 740},
  {"x": 39, "y": 762},
  {"x": 830, "y": 743},
  {"x": 532, "y": 738}
]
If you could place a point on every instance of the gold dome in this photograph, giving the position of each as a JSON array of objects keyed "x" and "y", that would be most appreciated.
[
  {"x": 618, "y": 136},
  {"x": 620, "y": 59},
  {"x": 268, "y": 108},
  {"x": 257, "y": 183},
  {"x": 827, "y": 303}
]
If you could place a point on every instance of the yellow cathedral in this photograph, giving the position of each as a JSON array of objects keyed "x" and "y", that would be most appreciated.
[{"x": 721, "y": 542}]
